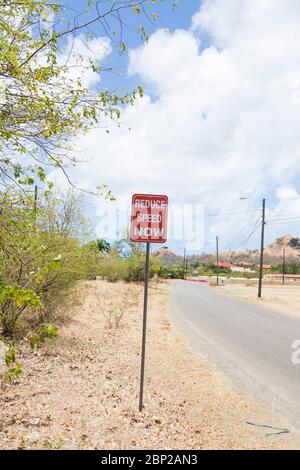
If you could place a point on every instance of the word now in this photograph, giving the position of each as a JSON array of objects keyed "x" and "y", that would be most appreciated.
[{"x": 148, "y": 232}]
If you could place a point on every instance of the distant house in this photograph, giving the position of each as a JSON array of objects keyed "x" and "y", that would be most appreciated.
[
  {"x": 224, "y": 264},
  {"x": 246, "y": 264},
  {"x": 235, "y": 268},
  {"x": 265, "y": 266}
]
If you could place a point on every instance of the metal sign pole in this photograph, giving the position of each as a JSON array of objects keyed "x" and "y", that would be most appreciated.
[{"x": 144, "y": 326}]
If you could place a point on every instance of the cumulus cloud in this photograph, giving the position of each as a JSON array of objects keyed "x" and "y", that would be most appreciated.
[
  {"x": 218, "y": 122},
  {"x": 77, "y": 55}
]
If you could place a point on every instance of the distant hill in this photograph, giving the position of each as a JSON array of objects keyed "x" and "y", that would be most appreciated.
[
  {"x": 167, "y": 256},
  {"x": 289, "y": 243},
  {"x": 273, "y": 253}
]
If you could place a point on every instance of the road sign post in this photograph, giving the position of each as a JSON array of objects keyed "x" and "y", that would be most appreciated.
[
  {"x": 144, "y": 327},
  {"x": 148, "y": 225}
]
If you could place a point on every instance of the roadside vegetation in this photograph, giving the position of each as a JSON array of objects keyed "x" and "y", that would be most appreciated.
[
  {"x": 46, "y": 105},
  {"x": 46, "y": 247},
  {"x": 125, "y": 261},
  {"x": 291, "y": 266},
  {"x": 41, "y": 258}
]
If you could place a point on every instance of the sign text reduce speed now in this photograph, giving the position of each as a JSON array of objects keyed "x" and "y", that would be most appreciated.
[{"x": 149, "y": 218}]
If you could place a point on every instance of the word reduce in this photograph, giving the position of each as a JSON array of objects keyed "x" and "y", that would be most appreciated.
[{"x": 149, "y": 218}]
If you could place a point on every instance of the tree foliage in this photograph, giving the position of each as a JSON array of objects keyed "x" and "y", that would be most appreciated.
[
  {"x": 43, "y": 106},
  {"x": 115, "y": 267},
  {"x": 103, "y": 245},
  {"x": 37, "y": 264}
]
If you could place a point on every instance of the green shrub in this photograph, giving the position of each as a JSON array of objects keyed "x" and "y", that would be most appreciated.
[
  {"x": 13, "y": 366},
  {"x": 39, "y": 261},
  {"x": 130, "y": 269},
  {"x": 42, "y": 333},
  {"x": 171, "y": 272}
]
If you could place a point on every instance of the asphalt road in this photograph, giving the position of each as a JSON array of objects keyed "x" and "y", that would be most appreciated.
[{"x": 252, "y": 345}]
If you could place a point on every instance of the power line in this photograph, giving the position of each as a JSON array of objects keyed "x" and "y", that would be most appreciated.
[
  {"x": 245, "y": 239},
  {"x": 284, "y": 223},
  {"x": 279, "y": 219},
  {"x": 243, "y": 232},
  {"x": 277, "y": 199},
  {"x": 204, "y": 216},
  {"x": 245, "y": 242},
  {"x": 284, "y": 199},
  {"x": 229, "y": 214}
]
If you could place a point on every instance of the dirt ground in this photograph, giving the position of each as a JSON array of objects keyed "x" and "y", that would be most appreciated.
[
  {"x": 285, "y": 299},
  {"x": 80, "y": 390}
]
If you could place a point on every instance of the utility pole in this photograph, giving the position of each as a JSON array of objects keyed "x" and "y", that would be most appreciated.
[
  {"x": 283, "y": 267},
  {"x": 217, "y": 249},
  {"x": 261, "y": 265}
]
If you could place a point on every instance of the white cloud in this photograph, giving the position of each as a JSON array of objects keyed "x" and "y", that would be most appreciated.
[
  {"x": 222, "y": 122},
  {"x": 286, "y": 192},
  {"x": 77, "y": 54}
]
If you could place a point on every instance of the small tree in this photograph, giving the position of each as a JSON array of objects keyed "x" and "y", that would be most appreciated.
[
  {"x": 103, "y": 245},
  {"x": 43, "y": 105},
  {"x": 37, "y": 265}
]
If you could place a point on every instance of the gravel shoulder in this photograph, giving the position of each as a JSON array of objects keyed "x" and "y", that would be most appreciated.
[
  {"x": 80, "y": 391},
  {"x": 282, "y": 298}
]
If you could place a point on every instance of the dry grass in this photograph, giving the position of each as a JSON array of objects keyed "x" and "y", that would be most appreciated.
[
  {"x": 285, "y": 299},
  {"x": 80, "y": 391}
]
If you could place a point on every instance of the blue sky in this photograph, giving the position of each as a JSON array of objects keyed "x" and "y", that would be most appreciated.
[
  {"x": 168, "y": 17},
  {"x": 179, "y": 17},
  {"x": 219, "y": 118}
]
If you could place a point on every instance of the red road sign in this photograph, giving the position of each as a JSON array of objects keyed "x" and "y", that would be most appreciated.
[{"x": 149, "y": 218}]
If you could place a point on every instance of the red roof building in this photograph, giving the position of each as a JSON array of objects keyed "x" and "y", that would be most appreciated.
[
  {"x": 265, "y": 266},
  {"x": 247, "y": 264},
  {"x": 224, "y": 264}
]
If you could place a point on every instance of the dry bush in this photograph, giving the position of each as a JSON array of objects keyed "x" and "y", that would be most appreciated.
[{"x": 114, "y": 308}]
